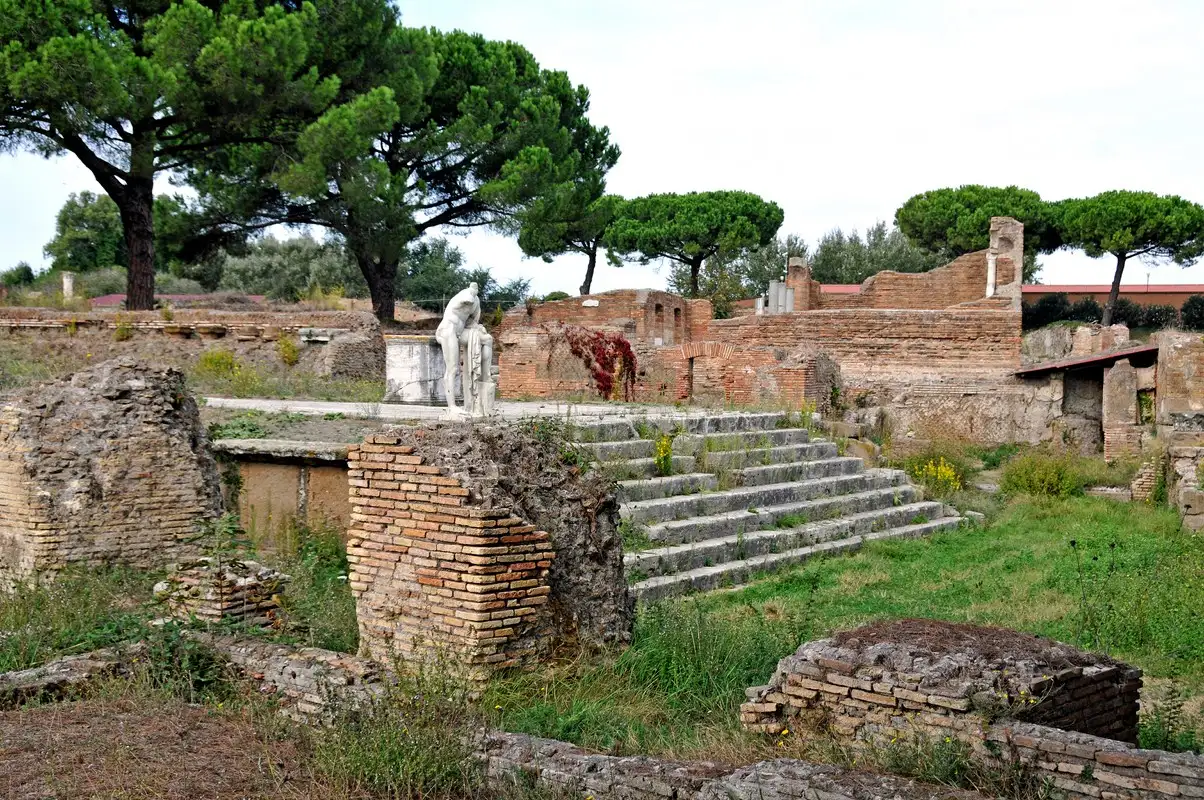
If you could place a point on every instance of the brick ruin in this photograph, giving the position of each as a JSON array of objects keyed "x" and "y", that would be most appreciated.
[
  {"x": 939, "y": 349},
  {"x": 1017, "y": 701},
  {"x": 874, "y": 681},
  {"x": 110, "y": 466},
  {"x": 338, "y": 344},
  {"x": 480, "y": 542}
]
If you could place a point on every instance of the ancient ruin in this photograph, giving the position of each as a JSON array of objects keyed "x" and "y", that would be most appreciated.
[
  {"x": 1018, "y": 702},
  {"x": 110, "y": 466}
]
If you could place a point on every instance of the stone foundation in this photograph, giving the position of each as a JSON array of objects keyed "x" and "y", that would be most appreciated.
[
  {"x": 109, "y": 466},
  {"x": 866, "y": 683}
]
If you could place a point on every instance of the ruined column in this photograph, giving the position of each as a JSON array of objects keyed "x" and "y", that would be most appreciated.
[{"x": 1007, "y": 240}]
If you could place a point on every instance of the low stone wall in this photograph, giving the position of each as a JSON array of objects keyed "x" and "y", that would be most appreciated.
[
  {"x": 864, "y": 683},
  {"x": 1018, "y": 701},
  {"x": 110, "y": 466},
  {"x": 275, "y": 483},
  {"x": 336, "y": 343},
  {"x": 1185, "y": 473}
]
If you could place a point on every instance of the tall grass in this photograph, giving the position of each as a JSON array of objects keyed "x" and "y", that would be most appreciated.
[
  {"x": 680, "y": 682},
  {"x": 82, "y": 610},
  {"x": 319, "y": 608}
]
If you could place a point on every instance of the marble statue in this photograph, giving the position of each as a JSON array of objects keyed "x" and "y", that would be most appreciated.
[{"x": 461, "y": 329}]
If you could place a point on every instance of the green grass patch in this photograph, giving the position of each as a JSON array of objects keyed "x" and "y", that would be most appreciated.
[
  {"x": 319, "y": 609},
  {"x": 81, "y": 610},
  {"x": 1131, "y": 585}
]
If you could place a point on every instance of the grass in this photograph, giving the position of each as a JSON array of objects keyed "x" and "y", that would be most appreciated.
[
  {"x": 678, "y": 687},
  {"x": 82, "y": 610}
]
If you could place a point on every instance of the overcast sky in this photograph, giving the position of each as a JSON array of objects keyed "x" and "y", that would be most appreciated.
[{"x": 837, "y": 110}]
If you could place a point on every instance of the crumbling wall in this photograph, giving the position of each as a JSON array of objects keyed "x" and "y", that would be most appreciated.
[
  {"x": 863, "y": 684},
  {"x": 109, "y": 466},
  {"x": 488, "y": 541},
  {"x": 336, "y": 343}
]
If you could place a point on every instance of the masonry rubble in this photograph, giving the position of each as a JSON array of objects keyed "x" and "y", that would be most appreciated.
[
  {"x": 864, "y": 683},
  {"x": 214, "y": 589},
  {"x": 110, "y": 465},
  {"x": 1017, "y": 701}
]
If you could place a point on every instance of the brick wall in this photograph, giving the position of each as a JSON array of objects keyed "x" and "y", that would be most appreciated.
[
  {"x": 433, "y": 573},
  {"x": 336, "y": 343},
  {"x": 938, "y": 698},
  {"x": 963, "y": 280},
  {"x": 109, "y": 467},
  {"x": 859, "y": 686}
]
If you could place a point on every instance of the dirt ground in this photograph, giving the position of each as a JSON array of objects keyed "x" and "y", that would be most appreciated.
[{"x": 127, "y": 749}]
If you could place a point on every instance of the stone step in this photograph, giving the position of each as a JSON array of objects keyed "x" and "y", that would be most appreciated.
[
  {"x": 734, "y": 573},
  {"x": 693, "y": 444},
  {"x": 690, "y": 444},
  {"x": 690, "y": 422},
  {"x": 643, "y": 468},
  {"x": 797, "y": 471},
  {"x": 883, "y": 492},
  {"x": 669, "y": 486},
  {"x": 685, "y": 557},
  {"x": 663, "y": 509},
  {"x": 785, "y": 454},
  {"x": 622, "y": 450}
]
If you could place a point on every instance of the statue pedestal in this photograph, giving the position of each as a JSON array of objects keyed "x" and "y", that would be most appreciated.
[{"x": 414, "y": 371}]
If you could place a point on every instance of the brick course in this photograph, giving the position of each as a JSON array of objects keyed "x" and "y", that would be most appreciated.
[
  {"x": 433, "y": 573},
  {"x": 111, "y": 466}
]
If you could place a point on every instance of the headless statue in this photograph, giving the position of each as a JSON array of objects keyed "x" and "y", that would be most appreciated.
[{"x": 461, "y": 328}]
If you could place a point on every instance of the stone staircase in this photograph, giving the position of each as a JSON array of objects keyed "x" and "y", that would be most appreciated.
[{"x": 749, "y": 493}]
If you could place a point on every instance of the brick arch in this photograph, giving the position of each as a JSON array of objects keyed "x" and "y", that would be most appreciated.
[{"x": 711, "y": 349}]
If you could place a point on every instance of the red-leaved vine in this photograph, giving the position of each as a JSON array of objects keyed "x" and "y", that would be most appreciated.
[{"x": 608, "y": 357}]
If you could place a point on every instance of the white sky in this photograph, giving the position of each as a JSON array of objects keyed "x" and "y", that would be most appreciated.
[{"x": 837, "y": 110}]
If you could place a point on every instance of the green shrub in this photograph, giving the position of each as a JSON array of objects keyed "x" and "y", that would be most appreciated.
[
  {"x": 288, "y": 350},
  {"x": 124, "y": 330},
  {"x": 1048, "y": 309},
  {"x": 1160, "y": 317},
  {"x": 992, "y": 458},
  {"x": 218, "y": 364},
  {"x": 221, "y": 371},
  {"x": 1192, "y": 313},
  {"x": 1165, "y": 724},
  {"x": 1042, "y": 475},
  {"x": 244, "y": 426},
  {"x": 1085, "y": 310},
  {"x": 552, "y": 296},
  {"x": 940, "y": 469},
  {"x": 1126, "y": 312}
]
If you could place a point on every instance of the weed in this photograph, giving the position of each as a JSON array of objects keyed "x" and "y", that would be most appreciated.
[
  {"x": 1042, "y": 475},
  {"x": 938, "y": 477},
  {"x": 166, "y": 312},
  {"x": 244, "y": 426},
  {"x": 1165, "y": 724},
  {"x": 318, "y": 607},
  {"x": 288, "y": 350},
  {"x": 183, "y": 667},
  {"x": 333, "y": 415},
  {"x": 791, "y": 521},
  {"x": 918, "y": 519},
  {"x": 81, "y": 610},
  {"x": 124, "y": 328},
  {"x": 662, "y": 455},
  {"x": 634, "y": 536}
]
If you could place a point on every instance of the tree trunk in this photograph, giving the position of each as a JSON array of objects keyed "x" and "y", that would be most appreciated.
[
  {"x": 589, "y": 270},
  {"x": 1120, "y": 268},
  {"x": 695, "y": 268},
  {"x": 136, "y": 205},
  {"x": 381, "y": 277}
]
